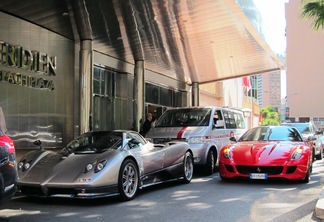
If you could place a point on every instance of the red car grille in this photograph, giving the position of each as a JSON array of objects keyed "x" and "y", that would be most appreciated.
[
  {"x": 270, "y": 170},
  {"x": 291, "y": 169}
]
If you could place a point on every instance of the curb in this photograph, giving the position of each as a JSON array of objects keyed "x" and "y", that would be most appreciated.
[{"x": 319, "y": 208}]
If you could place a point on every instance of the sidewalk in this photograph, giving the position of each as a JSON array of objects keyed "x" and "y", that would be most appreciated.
[{"x": 319, "y": 208}]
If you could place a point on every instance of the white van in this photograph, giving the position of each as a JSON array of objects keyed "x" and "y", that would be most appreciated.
[{"x": 206, "y": 129}]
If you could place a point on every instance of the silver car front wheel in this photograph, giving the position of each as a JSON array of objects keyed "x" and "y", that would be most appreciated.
[{"x": 128, "y": 180}]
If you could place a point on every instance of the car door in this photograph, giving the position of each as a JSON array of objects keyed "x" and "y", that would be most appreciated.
[
  {"x": 151, "y": 157},
  {"x": 173, "y": 154}
]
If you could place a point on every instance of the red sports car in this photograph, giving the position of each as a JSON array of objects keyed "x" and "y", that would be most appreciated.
[
  {"x": 8, "y": 168},
  {"x": 267, "y": 152}
]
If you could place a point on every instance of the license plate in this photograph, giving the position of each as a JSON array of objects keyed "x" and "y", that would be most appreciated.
[{"x": 259, "y": 176}]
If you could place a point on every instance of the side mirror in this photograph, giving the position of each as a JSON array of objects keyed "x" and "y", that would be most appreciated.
[
  {"x": 219, "y": 124},
  {"x": 134, "y": 141},
  {"x": 233, "y": 139},
  {"x": 38, "y": 143},
  {"x": 310, "y": 138}
]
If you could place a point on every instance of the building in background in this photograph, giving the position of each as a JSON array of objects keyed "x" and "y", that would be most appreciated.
[
  {"x": 305, "y": 67},
  {"x": 105, "y": 70},
  {"x": 269, "y": 90}
]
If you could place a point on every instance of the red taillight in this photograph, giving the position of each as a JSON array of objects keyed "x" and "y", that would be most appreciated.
[
  {"x": 11, "y": 147},
  {"x": 6, "y": 141}
]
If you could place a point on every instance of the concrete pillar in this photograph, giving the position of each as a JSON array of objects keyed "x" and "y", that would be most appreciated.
[
  {"x": 139, "y": 95},
  {"x": 86, "y": 72},
  {"x": 195, "y": 94}
]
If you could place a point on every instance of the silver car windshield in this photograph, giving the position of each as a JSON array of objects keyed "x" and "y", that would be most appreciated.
[
  {"x": 185, "y": 117},
  {"x": 94, "y": 142}
]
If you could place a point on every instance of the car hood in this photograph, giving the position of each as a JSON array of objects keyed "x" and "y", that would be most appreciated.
[
  {"x": 54, "y": 167},
  {"x": 176, "y": 132},
  {"x": 264, "y": 152}
]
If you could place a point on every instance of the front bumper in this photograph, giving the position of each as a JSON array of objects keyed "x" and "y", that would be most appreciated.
[
  {"x": 67, "y": 192},
  {"x": 289, "y": 172}
]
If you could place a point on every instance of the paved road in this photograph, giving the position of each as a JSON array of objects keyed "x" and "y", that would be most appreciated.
[{"x": 204, "y": 199}]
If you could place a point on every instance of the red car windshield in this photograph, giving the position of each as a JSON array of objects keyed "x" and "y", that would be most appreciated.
[{"x": 278, "y": 133}]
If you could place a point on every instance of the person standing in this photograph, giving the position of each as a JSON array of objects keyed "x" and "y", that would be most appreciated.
[
  {"x": 3, "y": 127},
  {"x": 147, "y": 124}
]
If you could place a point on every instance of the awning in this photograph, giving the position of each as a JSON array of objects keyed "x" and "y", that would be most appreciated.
[{"x": 192, "y": 41}]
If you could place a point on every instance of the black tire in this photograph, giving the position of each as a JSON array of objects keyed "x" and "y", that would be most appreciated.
[
  {"x": 320, "y": 155},
  {"x": 187, "y": 167},
  {"x": 313, "y": 155},
  {"x": 128, "y": 180},
  {"x": 223, "y": 178},
  {"x": 307, "y": 177},
  {"x": 210, "y": 163}
]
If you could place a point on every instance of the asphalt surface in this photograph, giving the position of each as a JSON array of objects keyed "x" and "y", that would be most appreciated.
[
  {"x": 319, "y": 208},
  {"x": 207, "y": 198}
]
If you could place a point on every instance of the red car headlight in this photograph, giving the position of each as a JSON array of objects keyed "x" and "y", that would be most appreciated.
[
  {"x": 297, "y": 154},
  {"x": 227, "y": 153}
]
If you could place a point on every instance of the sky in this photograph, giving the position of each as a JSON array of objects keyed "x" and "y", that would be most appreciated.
[{"x": 273, "y": 13}]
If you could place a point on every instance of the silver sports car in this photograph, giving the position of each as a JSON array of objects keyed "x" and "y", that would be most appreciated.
[{"x": 103, "y": 163}]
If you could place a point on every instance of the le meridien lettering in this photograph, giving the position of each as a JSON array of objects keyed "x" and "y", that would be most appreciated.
[
  {"x": 26, "y": 80},
  {"x": 17, "y": 56}
]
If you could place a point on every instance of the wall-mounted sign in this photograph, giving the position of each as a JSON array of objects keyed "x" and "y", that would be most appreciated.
[{"x": 29, "y": 60}]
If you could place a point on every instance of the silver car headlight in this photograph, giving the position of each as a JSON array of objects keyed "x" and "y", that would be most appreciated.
[
  {"x": 27, "y": 166},
  {"x": 96, "y": 166},
  {"x": 197, "y": 140},
  {"x": 20, "y": 165},
  {"x": 100, "y": 165},
  {"x": 89, "y": 167},
  {"x": 23, "y": 165}
]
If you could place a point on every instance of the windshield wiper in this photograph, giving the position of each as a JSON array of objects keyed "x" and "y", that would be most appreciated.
[{"x": 270, "y": 132}]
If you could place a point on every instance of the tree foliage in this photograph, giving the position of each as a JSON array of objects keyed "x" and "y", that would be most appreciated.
[
  {"x": 270, "y": 117},
  {"x": 314, "y": 10}
]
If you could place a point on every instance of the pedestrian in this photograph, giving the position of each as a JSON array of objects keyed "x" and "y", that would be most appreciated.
[
  {"x": 147, "y": 124},
  {"x": 3, "y": 127}
]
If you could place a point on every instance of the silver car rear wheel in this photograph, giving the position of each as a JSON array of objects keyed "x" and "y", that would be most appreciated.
[
  {"x": 188, "y": 167},
  {"x": 128, "y": 180}
]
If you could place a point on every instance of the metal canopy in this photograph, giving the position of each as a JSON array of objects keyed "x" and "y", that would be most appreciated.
[{"x": 190, "y": 40}]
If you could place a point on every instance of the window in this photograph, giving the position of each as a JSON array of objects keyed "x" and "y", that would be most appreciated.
[
  {"x": 240, "y": 124},
  {"x": 184, "y": 117},
  {"x": 162, "y": 96},
  {"x": 103, "y": 82},
  {"x": 134, "y": 140},
  {"x": 233, "y": 120}
]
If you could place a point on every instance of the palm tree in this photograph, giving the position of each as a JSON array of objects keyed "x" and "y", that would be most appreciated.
[
  {"x": 270, "y": 116},
  {"x": 314, "y": 10}
]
